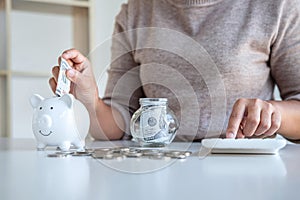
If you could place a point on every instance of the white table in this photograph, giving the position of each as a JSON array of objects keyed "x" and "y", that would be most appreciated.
[{"x": 28, "y": 174}]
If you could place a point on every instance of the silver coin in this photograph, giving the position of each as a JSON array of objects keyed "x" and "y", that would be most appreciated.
[
  {"x": 117, "y": 150},
  {"x": 120, "y": 149},
  {"x": 124, "y": 149},
  {"x": 134, "y": 149},
  {"x": 103, "y": 149},
  {"x": 100, "y": 154},
  {"x": 180, "y": 156},
  {"x": 133, "y": 154},
  {"x": 115, "y": 156},
  {"x": 177, "y": 154},
  {"x": 187, "y": 153},
  {"x": 81, "y": 153},
  {"x": 89, "y": 150},
  {"x": 64, "y": 152},
  {"x": 152, "y": 152},
  {"x": 55, "y": 155},
  {"x": 159, "y": 157},
  {"x": 172, "y": 153}
]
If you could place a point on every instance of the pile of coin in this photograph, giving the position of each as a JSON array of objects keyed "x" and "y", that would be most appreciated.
[
  {"x": 61, "y": 154},
  {"x": 119, "y": 153}
]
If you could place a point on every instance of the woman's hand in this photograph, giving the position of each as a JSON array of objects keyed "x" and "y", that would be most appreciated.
[
  {"x": 83, "y": 85},
  {"x": 253, "y": 118}
]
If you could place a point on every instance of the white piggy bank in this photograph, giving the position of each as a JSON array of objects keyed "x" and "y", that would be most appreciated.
[{"x": 59, "y": 121}]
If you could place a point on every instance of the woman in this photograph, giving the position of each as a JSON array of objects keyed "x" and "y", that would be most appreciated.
[{"x": 245, "y": 46}]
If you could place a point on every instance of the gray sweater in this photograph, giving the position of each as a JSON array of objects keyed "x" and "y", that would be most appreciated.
[{"x": 203, "y": 55}]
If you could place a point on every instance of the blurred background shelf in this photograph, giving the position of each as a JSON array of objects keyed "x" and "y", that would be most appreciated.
[
  {"x": 78, "y": 3},
  {"x": 33, "y": 34},
  {"x": 31, "y": 74},
  {"x": 3, "y": 72}
]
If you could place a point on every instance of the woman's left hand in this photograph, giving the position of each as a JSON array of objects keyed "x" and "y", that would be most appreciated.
[{"x": 253, "y": 118}]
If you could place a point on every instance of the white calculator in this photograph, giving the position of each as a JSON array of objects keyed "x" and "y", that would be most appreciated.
[{"x": 244, "y": 146}]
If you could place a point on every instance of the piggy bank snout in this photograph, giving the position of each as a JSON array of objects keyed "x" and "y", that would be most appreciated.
[{"x": 45, "y": 121}]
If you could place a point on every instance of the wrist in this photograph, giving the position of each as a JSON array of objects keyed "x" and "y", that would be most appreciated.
[
  {"x": 288, "y": 109},
  {"x": 275, "y": 104},
  {"x": 92, "y": 103}
]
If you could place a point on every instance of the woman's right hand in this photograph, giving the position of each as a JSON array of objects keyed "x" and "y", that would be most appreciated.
[{"x": 83, "y": 84}]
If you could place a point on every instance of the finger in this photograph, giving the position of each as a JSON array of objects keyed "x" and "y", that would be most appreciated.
[
  {"x": 265, "y": 121},
  {"x": 68, "y": 61},
  {"x": 257, "y": 136},
  {"x": 77, "y": 79},
  {"x": 252, "y": 119},
  {"x": 74, "y": 55},
  {"x": 275, "y": 124},
  {"x": 59, "y": 60},
  {"x": 243, "y": 123},
  {"x": 55, "y": 72},
  {"x": 240, "y": 134},
  {"x": 74, "y": 76},
  {"x": 236, "y": 118},
  {"x": 52, "y": 84}
]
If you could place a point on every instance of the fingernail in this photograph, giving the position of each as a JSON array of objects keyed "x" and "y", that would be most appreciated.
[
  {"x": 230, "y": 135},
  {"x": 71, "y": 73},
  {"x": 65, "y": 55}
]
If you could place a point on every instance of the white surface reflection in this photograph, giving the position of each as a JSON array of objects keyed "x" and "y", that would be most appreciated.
[
  {"x": 243, "y": 165},
  {"x": 54, "y": 178}
]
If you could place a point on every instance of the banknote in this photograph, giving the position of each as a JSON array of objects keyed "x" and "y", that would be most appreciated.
[{"x": 63, "y": 83}]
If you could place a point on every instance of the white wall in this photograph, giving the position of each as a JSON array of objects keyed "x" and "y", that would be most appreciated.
[{"x": 39, "y": 33}]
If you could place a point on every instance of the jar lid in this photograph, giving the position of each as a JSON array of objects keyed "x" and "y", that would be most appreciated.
[{"x": 153, "y": 101}]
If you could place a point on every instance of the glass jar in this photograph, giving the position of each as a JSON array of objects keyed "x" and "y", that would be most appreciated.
[{"x": 153, "y": 124}]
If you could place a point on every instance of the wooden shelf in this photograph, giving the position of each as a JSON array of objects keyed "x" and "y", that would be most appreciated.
[
  {"x": 25, "y": 73},
  {"x": 3, "y": 72},
  {"x": 30, "y": 74},
  {"x": 76, "y": 3}
]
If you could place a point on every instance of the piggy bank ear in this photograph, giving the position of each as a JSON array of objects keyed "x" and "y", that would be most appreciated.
[
  {"x": 68, "y": 99},
  {"x": 35, "y": 100}
]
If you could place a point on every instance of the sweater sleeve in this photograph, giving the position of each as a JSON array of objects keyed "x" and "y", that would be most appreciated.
[
  {"x": 285, "y": 56},
  {"x": 123, "y": 88}
]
